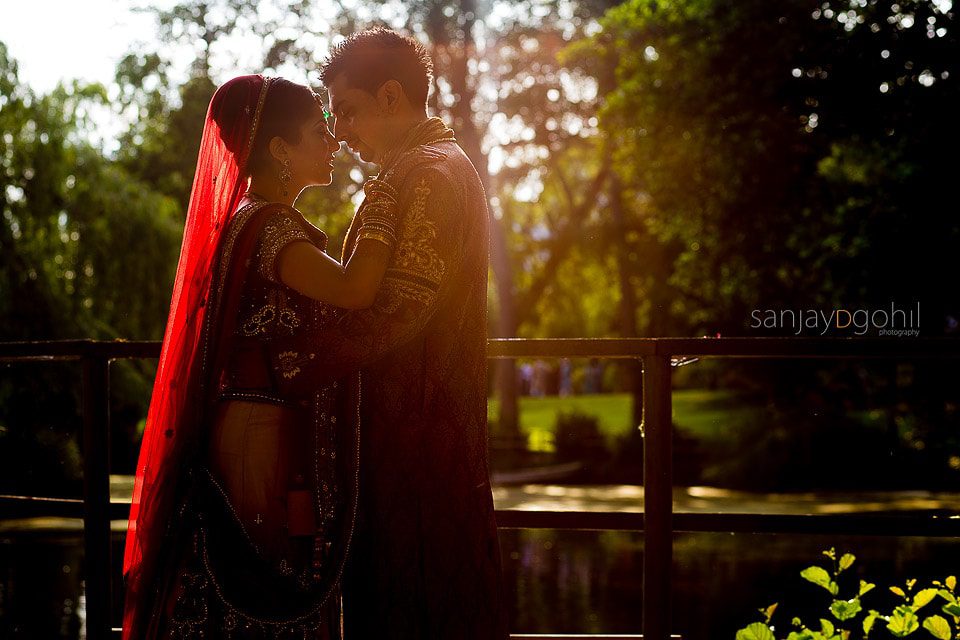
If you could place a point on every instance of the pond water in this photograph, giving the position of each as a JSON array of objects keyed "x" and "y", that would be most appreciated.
[{"x": 557, "y": 581}]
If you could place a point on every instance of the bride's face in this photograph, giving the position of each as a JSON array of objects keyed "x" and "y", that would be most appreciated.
[{"x": 311, "y": 160}]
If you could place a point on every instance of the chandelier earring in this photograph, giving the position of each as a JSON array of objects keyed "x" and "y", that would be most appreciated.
[{"x": 285, "y": 176}]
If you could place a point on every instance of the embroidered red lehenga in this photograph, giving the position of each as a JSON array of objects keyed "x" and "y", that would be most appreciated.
[{"x": 246, "y": 493}]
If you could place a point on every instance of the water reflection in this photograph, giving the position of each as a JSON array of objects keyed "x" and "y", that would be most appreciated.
[
  {"x": 41, "y": 585},
  {"x": 560, "y": 581}
]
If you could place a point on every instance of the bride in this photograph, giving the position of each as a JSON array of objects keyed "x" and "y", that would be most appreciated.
[{"x": 245, "y": 495}]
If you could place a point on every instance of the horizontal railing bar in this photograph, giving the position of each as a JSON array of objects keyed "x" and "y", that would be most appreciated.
[
  {"x": 831, "y": 524},
  {"x": 73, "y": 349},
  {"x": 585, "y": 520},
  {"x": 779, "y": 347},
  {"x": 32, "y": 507},
  {"x": 854, "y": 524},
  {"x": 116, "y": 631},
  {"x": 786, "y": 347},
  {"x": 583, "y": 636}
]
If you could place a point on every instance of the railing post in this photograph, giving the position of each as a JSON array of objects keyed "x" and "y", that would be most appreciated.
[
  {"x": 96, "y": 494},
  {"x": 657, "y": 497}
]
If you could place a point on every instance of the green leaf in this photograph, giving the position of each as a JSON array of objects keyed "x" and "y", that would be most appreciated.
[
  {"x": 826, "y": 628},
  {"x": 865, "y": 587},
  {"x": 952, "y": 609},
  {"x": 846, "y": 560},
  {"x": 938, "y": 627},
  {"x": 845, "y": 609},
  {"x": 801, "y": 635},
  {"x": 768, "y": 612},
  {"x": 898, "y": 591},
  {"x": 923, "y": 598},
  {"x": 869, "y": 620},
  {"x": 903, "y": 622},
  {"x": 946, "y": 595},
  {"x": 818, "y": 576},
  {"x": 755, "y": 631}
]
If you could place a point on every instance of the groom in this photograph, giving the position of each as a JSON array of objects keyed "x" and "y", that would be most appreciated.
[{"x": 425, "y": 560}]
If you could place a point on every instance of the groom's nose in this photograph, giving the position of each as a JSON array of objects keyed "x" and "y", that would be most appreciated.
[{"x": 340, "y": 130}]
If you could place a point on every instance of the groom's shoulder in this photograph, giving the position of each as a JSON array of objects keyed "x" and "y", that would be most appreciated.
[{"x": 445, "y": 162}]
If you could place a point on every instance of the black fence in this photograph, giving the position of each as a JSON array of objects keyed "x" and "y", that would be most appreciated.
[{"x": 657, "y": 521}]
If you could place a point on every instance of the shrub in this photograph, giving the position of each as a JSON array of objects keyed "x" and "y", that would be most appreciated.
[{"x": 848, "y": 618}]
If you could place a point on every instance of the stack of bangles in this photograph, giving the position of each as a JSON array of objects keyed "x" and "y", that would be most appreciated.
[{"x": 380, "y": 215}]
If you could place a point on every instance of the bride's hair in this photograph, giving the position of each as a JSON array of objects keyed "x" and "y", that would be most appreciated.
[{"x": 287, "y": 106}]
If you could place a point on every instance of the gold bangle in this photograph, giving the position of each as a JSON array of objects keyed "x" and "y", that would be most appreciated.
[{"x": 379, "y": 237}]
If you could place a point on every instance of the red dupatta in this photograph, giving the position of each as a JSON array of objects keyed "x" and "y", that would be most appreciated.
[{"x": 174, "y": 420}]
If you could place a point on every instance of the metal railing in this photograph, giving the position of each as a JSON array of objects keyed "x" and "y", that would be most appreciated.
[{"x": 657, "y": 521}]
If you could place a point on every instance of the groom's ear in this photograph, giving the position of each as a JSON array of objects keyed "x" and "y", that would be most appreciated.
[{"x": 389, "y": 96}]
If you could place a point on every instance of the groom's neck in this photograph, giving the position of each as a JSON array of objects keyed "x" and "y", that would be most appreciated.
[{"x": 402, "y": 128}]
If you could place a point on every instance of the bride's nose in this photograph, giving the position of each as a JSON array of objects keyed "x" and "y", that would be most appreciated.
[{"x": 332, "y": 142}]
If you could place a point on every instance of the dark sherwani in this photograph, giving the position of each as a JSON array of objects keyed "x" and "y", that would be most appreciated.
[{"x": 424, "y": 560}]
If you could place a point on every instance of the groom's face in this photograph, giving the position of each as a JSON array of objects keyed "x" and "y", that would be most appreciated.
[{"x": 359, "y": 120}]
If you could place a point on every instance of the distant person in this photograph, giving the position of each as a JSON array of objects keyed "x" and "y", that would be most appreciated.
[
  {"x": 593, "y": 377},
  {"x": 526, "y": 378},
  {"x": 566, "y": 378},
  {"x": 540, "y": 379}
]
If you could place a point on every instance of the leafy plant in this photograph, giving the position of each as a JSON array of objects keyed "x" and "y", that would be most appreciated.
[{"x": 849, "y": 620}]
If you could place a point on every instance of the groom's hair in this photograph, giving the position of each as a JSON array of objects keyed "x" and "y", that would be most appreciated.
[{"x": 371, "y": 57}]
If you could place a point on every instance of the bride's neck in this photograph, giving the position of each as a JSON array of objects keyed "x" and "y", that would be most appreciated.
[{"x": 269, "y": 189}]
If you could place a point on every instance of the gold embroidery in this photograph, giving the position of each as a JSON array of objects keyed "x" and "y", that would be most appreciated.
[
  {"x": 260, "y": 321},
  {"x": 290, "y": 361},
  {"x": 255, "y": 123},
  {"x": 418, "y": 269},
  {"x": 276, "y": 309},
  {"x": 236, "y": 224},
  {"x": 280, "y": 231}
]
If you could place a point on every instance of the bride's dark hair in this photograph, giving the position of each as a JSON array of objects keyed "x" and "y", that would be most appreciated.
[{"x": 287, "y": 106}]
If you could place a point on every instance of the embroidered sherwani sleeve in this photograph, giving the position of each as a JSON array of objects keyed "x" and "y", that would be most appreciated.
[{"x": 427, "y": 258}]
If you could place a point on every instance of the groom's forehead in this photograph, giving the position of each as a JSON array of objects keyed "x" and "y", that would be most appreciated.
[{"x": 341, "y": 92}]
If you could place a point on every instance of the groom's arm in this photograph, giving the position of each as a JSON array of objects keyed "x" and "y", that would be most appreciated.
[{"x": 427, "y": 257}]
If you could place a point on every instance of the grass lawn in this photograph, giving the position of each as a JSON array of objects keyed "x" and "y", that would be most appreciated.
[{"x": 702, "y": 413}]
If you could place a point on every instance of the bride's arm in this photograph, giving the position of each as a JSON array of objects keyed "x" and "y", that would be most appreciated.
[{"x": 304, "y": 268}]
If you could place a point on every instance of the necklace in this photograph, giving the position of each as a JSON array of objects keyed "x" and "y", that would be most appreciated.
[{"x": 253, "y": 195}]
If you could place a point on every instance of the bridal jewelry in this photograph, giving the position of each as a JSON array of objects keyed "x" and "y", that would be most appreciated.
[
  {"x": 285, "y": 175},
  {"x": 381, "y": 213}
]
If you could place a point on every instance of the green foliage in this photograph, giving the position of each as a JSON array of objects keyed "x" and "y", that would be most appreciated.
[
  {"x": 86, "y": 251},
  {"x": 806, "y": 173},
  {"x": 577, "y": 437},
  {"x": 903, "y": 620}
]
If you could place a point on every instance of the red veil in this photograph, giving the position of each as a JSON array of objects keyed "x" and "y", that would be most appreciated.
[{"x": 175, "y": 415}]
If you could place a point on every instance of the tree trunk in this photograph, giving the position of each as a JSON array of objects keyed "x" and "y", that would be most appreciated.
[
  {"x": 627, "y": 310},
  {"x": 470, "y": 139}
]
